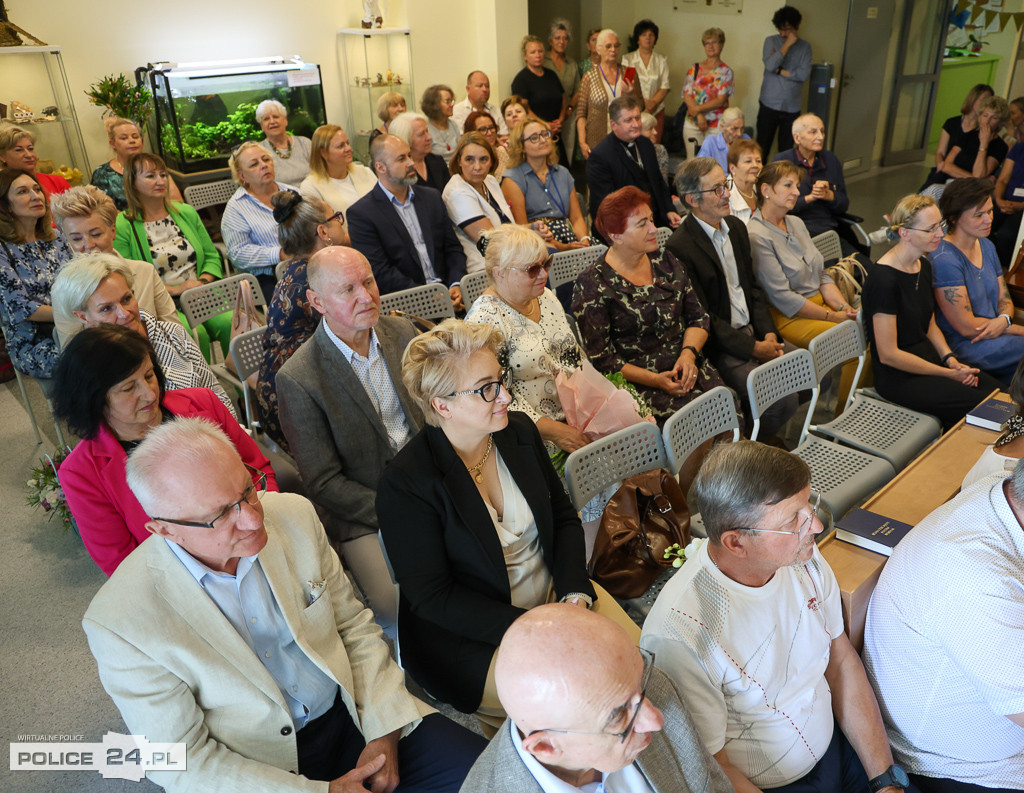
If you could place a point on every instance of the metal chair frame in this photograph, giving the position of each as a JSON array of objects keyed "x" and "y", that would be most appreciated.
[{"x": 31, "y": 413}]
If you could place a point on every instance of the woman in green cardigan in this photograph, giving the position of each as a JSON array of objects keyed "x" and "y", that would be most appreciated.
[{"x": 171, "y": 237}]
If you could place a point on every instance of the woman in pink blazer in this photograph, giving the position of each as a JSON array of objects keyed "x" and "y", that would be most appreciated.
[{"x": 109, "y": 389}]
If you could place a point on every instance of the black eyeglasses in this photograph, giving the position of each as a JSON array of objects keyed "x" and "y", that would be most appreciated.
[
  {"x": 253, "y": 493},
  {"x": 534, "y": 270},
  {"x": 537, "y": 137},
  {"x": 801, "y": 532},
  {"x": 488, "y": 391},
  {"x": 645, "y": 678},
  {"x": 339, "y": 215},
  {"x": 485, "y": 130},
  {"x": 720, "y": 190}
]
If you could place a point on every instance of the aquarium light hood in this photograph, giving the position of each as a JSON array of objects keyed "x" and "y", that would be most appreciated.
[{"x": 238, "y": 66}]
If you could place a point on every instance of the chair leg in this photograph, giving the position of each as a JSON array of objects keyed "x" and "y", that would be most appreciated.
[{"x": 28, "y": 407}]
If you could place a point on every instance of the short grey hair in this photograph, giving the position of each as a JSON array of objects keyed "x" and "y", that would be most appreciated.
[
  {"x": 729, "y": 115},
  {"x": 740, "y": 481},
  {"x": 801, "y": 122},
  {"x": 1017, "y": 482},
  {"x": 401, "y": 125},
  {"x": 510, "y": 245},
  {"x": 82, "y": 276},
  {"x": 647, "y": 121},
  {"x": 180, "y": 444},
  {"x": 557, "y": 24},
  {"x": 603, "y": 36},
  {"x": 266, "y": 106},
  {"x": 690, "y": 173}
]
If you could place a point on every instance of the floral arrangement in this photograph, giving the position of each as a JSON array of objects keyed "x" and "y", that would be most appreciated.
[
  {"x": 45, "y": 491},
  {"x": 122, "y": 97},
  {"x": 678, "y": 554},
  {"x": 642, "y": 408}
]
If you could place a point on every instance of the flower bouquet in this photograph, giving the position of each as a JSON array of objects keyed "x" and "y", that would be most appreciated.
[
  {"x": 122, "y": 97},
  {"x": 45, "y": 490}
]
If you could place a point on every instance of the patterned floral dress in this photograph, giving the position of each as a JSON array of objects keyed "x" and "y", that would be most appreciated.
[
  {"x": 703, "y": 86},
  {"x": 291, "y": 320},
  {"x": 27, "y": 272},
  {"x": 642, "y": 325}
]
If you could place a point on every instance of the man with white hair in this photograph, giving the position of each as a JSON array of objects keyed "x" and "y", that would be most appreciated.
[
  {"x": 478, "y": 94},
  {"x": 234, "y": 630},
  {"x": 587, "y": 710},
  {"x": 730, "y": 129}
]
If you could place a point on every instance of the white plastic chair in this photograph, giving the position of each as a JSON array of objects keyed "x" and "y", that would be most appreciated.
[
  {"x": 430, "y": 301},
  {"x": 472, "y": 285},
  {"x": 707, "y": 416},
  {"x": 663, "y": 233},
  {"x": 247, "y": 353},
  {"x": 211, "y": 194},
  {"x": 828, "y": 245},
  {"x": 567, "y": 265}
]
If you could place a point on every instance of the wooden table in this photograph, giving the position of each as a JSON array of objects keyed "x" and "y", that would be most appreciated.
[{"x": 931, "y": 480}]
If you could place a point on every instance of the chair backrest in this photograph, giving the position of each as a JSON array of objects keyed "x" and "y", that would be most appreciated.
[
  {"x": 708, "y": 415},
  {"x": 200, "y": 196},
  {"x": 473, "y": 285},
  {"x": 779, "y": 377},
  {"x": 430, "y": 301},
  {"x": 567, "y": 265},
  {"x": 280, "y": 267},
  {"x": 828, "y": 245},
  {"x": 663, "y": 233},
  {"x": 247, "y": 353},
  {"x": 200, "y": 303},
  {"x": 836, "y": 346},
  {"x": 612, "y": 459}
]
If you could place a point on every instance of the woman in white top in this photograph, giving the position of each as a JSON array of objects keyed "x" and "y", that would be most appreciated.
[
  {"x": 290, "y": 152},
  {"x": 744, "y": 165},
  {"x": 651, "y": 69},
  {"x": 334, "y": 178},
  {"x": 438, "y": 105},
  {"x": 473, "y": 197},
  {"x": 1001, "y": 456}
]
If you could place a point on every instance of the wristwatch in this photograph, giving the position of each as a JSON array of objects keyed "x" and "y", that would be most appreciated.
[
  {"x": 581, "y": 596},
  {"x": 893, "y": 776},
  {"x": 694, "y": 350},
  {"x": 1007, "y": 318}
]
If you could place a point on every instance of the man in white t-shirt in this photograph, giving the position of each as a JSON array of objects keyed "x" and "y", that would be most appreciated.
[
  {"x": 751, "y": 630},
  {"x": 478, "y": 94},
  {"x": 944, "y": 642}
]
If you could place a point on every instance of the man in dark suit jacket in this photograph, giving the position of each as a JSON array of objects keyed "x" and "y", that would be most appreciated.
[
  {"x": 626, "y": 157},
  {"x": 584, "y": 702},
  {"x": 404, "y": 232},
  {"x": 346, "y": 412},
  {"x": 715, "y": 249}
]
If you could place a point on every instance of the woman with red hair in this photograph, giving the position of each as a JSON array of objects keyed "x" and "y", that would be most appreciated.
[{"x": 638, "y": 313}]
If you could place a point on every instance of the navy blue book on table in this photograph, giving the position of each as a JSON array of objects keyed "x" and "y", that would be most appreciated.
[
  {"x": 991, "y": 414},
  {"x": 871, "y": 531}
]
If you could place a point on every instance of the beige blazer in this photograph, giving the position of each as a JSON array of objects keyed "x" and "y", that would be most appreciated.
[{"x": 179, "y": 672}]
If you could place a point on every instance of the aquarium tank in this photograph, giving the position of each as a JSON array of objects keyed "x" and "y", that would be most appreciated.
[{"x": 205, "y": 109}]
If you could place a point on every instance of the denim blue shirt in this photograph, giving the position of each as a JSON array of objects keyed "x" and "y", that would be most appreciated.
[{"x": 784, "y": 93}]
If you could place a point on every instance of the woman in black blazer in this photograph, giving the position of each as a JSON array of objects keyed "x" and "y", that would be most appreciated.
[{"x": 477, "y": 524}]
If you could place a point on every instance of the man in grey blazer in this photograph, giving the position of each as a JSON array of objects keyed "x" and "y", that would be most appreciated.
[
  {"x": 345, "y": 412},
  {"x": 586, "y": 706}
]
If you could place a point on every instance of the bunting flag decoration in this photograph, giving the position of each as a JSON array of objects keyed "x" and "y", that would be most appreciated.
[{"x": 983, "y": 16}]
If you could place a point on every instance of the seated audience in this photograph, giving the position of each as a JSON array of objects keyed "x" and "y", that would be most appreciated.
[
  {"x": 804, "y": 299},
  {"x": 87, "y": 216},
  {"x": 751, "y": 628},
  {"x": 403, "y": 230},
  {"x": 541, "y": 87},
  {"x": 730, "y": 130},
  {"x": 290, "y": 152},
  {"x": 709, "y": 85},
  {"x": 911, "y": 361},
  {"x": 976, "y": 153},
  {"x": 18, "y": 152},
  {"x": 478, "y": 95},
  {"x": 649, "y": 129},
  {"x": 110, "y": 389},
  {"x": 345, "y": 412},
  {"x": 1009, "y": 204},
  {"x": 538, "y": 340},
  {"x": 431, "y": 169},
  {"x": 1000, "y": 457},
  {"x": 651, "y": 70},
  {"x": 438, "y": 104},
  {"x": 627, "y": 158},
  {"x": 601, "y": 85},
  {"x": 948, "y": 687},
  {"x": 248, "y": 226},
  {"x": 31, "y": 254},
  {"x": 956, "y": 127},
  {"x": 515, "y": 109},
  {"x": 390, "y": 105},
  {"x": 495, "y": 533},
  {"x": 305, "y": 226},
  {"x": 98, "y": 288},
  {"x": 537, "y": 188},
  {"x": 305, "y": 690},
  {"x": 172, "y": 237},
  {"x": 823, "y": 200},
  {"x": 125, "y": 140},
  {"x": 483, "y": 122},
  {"x": 473, "y": 197},
  {"x": 333, "y": 177},
  {"x": 564, "y": 65},
  {"x": 638, "y": 313},
  {"x": 975, "y": 310},
  {"x": 568, "y": 680},
  {"x": 744, "y": 165},
  {"x": 715, "y": 249}
]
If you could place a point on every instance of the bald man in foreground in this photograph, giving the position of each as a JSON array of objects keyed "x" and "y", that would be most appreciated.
[{"x": 586, "y": 706}]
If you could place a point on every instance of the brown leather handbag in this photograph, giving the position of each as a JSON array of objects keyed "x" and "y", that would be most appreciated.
[{"x": 645, "y": 516}]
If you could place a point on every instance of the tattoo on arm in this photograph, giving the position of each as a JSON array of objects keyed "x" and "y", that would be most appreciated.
[{"x": 952, "y": 294}]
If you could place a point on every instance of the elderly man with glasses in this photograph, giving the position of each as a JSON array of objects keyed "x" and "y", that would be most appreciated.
[
  {"x": 233, "y": 630},
  {"x": 751, "y": 629},
  {"x": 587, "y": 710}
]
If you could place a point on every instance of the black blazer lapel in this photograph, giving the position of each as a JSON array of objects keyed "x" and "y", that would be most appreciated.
[
  {"x": 706, "y": 249},
  {"x": 399, "y": 254}
]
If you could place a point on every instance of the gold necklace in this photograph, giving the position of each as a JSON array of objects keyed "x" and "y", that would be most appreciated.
[{"x": 479, "y": 475}]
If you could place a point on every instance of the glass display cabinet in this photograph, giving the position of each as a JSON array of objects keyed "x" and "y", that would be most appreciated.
[
  {"x": 206, "y": 108},
  {"x": 36, "y": 96},
  {"x": 373, "y": 61}
]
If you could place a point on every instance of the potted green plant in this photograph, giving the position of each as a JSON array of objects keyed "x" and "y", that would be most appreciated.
[{"x": 122, "y": 97}]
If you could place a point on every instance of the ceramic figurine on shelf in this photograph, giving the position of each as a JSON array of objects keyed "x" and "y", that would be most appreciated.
[{"x": 371, "y": 14}]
